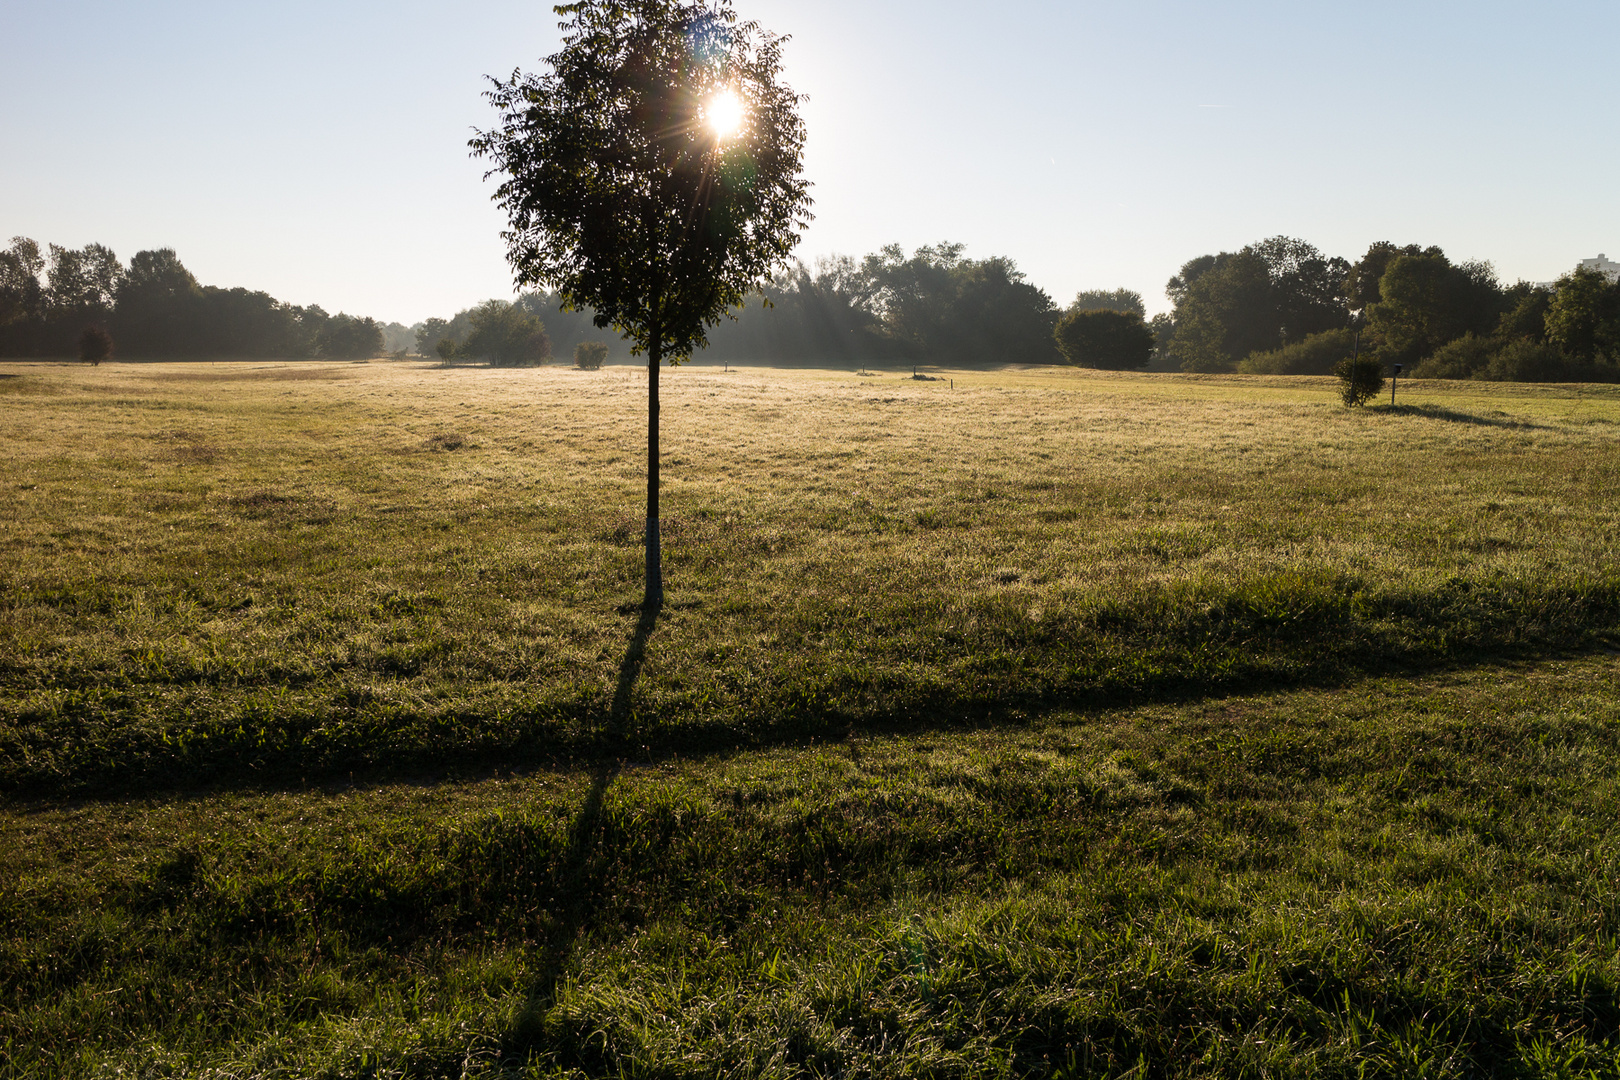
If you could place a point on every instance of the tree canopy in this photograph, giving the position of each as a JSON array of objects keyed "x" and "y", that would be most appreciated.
[
  {"x": 154, "y": 307},
  {"x": 1427, "y": 300},
  {"x": 1109, "y": 300},
  {"x": 1105, "y": 338},
  {"x": 618, "y": 191},
  {"x": 951, "y": 309},
  {"x": 507, "y": 336},
  {"x": 1253, "y": 300}
]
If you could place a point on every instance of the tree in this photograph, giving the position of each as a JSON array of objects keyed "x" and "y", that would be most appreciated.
[
  {"x": 429, "y": 332},
  {"x": 95, "y": 345},
  {"x": 1583, "y": 317},
  {"x": 347, "y": 337},
  {"x": 21, "y": 296},
  {"x": 1105, "y": 338},
  {"x": 1524, "y": 317},
  {"x": 1259, "y": 299},
  {"x": 1361, "y": 283},
  {"x": 1307, "y": 287},
  {"x": 1427, "y": 300},
  {"x": 1225, "y": 313},
  {"x": 652, "y": 174},
  {"x": 947, "y": 308},
  {"x": 506, "y": 336},
  {"x": 588, "y": 355},
  {"x": 83, "y": 281}
]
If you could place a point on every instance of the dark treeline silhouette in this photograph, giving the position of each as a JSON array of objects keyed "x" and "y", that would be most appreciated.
[
  {"x": 1280, "y": 306},
  {"x": 155, "y": 308},
  {"x": 935, "y": 306}
]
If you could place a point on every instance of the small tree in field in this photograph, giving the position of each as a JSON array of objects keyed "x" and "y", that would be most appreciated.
[
  {"x": 1360, "y": 379},
  {"x": 446, "y": 348},
  {"x": 95, "y": 345},
  {"x": 651, "y": 174},
  {"x": 589, "y": 355}
]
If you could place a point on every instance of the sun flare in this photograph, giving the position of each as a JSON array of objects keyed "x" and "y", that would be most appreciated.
[{"x": 725, "y": 113}]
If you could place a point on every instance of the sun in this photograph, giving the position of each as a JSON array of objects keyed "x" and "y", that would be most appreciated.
[{"x": 725, "y": 113}]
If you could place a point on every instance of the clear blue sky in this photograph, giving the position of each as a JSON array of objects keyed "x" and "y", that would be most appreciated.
[{"x": 318, "y": 150}]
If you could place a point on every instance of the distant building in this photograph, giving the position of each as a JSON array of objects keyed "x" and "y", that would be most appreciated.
[{"x": 1603, "y": 265}]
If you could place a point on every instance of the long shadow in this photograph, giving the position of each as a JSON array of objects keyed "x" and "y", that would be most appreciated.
[
  {"x": 1440, "y": 412},
  {"x": 575, "y": 884}
]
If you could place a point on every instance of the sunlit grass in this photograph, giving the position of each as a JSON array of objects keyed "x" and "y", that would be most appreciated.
[
  {"x": 1048, "y": 723},
  {"x": 300, "y": 569}
]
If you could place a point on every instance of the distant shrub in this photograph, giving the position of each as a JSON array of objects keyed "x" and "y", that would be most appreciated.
[
  {"x": 1360, "y": 380},
  {"x": 446, "y": 350},
  {"x": 589, "y": 355},
  {"x": 1527, "y": 361},
  {"x": 1463, "y": 358},
  {"x": 1313, "y": 355},
  {"x": 1492, "y": 359},
  {"x": 95, "y": 345}
]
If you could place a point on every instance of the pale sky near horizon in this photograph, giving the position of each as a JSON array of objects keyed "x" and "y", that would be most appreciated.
[{"x": 317, "y": 151}]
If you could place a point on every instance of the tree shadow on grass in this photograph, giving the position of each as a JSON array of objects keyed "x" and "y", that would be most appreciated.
[
  {"x": 1453, "y": 416},
  {"x": 576, "y": 883}
]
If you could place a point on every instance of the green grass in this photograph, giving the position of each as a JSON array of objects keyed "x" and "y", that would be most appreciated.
[
  {"x": 220, "y": 573},
  {"x": 1403, "y": 878},
  {"x": 1053, "y": 724}
]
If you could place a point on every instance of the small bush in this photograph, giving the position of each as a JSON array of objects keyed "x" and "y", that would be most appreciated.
[
  {"x": 95, "y": 345},
  {"x": 589, "y": 355},
  {"x": 446, "y": 350},
  {"x": 1313, "y": 355},
  {"x": 1360, "y": 380}
]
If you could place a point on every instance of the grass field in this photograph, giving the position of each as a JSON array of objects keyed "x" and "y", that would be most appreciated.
[{"x": 1039, "y": 723}]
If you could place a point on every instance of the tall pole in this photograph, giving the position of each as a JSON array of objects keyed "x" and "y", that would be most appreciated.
[{"x": 654, "y": 596}]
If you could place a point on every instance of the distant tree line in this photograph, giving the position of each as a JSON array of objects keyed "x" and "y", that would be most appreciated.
[
  {"x": 154, "y": 307},
  {"x": 935, "y": 305},
  {"x": 1280, "y": 306}
]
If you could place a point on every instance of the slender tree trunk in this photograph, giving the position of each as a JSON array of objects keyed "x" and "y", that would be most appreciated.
[{"x": 654, "y": 596}]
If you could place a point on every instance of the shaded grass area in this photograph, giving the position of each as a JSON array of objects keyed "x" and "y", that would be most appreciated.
[
  {"x": 174, "y": 716},
  {"x": 1399, "y": 878},
  {"x": 384, "y": 567}
]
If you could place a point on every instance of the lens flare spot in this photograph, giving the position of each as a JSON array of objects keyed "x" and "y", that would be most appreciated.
[{"x": 725, "y": 113}]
